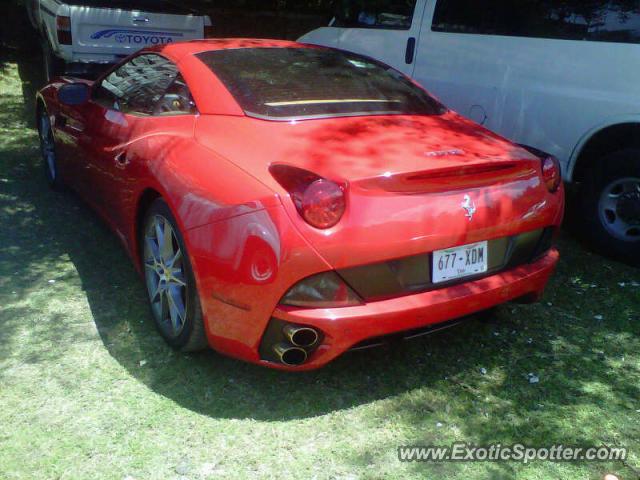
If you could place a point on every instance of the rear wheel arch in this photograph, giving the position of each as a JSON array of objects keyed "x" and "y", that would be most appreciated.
[
  {"x": 146, "y": 199},
  {"x": 617, "y": 137},
  {"x": 607, "y": 169}
]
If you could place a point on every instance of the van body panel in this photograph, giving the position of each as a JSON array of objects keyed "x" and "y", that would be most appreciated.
[
  {"x": 550, "y": 93},
  {"x": 464, "y": 82},
  {"x": 389, "y": 46},
  {"x": 325, "y": 36}
]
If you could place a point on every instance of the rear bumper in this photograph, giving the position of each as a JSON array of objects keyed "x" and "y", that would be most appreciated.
[{"x": 345, "y": 327}]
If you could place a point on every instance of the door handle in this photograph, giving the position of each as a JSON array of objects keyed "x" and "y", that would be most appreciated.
[
  {"x": 122, "y": 160},
  {"x": 141, "y": 20},
  {"x": 411, "y": 50}
]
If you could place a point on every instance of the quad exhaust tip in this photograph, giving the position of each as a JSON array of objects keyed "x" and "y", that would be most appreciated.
[
  {"x": 290, "y": 355},
  {"x": 304, "y": 337}
]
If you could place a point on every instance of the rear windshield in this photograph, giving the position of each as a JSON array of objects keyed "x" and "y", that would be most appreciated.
[{"x": 298, "y": 83}]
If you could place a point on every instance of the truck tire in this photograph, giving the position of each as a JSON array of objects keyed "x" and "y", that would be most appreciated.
[
  {"x": 611, "y": 205},
  {"x": 53, "y": 66}
]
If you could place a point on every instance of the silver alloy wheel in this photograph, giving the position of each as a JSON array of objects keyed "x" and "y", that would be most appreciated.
[
  {"x": 165, "y": 276},
  {"x": 47, "y": 145},
  {"x": 619, "y": 208}
]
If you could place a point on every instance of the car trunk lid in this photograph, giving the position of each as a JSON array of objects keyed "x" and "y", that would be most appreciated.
[{"x": 411, "y": 181}]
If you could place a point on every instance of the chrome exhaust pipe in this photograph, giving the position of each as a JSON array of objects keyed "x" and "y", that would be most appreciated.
[
  {"x": 290, "y": 355},
  {"x": 300, "y": 336}
]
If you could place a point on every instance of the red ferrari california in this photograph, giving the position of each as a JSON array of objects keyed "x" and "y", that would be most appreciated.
[{"x": 285, "y": 203}]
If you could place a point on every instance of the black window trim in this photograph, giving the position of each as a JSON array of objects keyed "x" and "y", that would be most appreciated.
[
  {"x": 332, "y": 24},
  {"x": 434, "y": 29},
  {"x": 532, "y": 37},
  {"x": 374, "y": 27}
]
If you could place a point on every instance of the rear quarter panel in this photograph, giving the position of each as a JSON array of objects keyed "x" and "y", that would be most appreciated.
[
  {"x": 245, "y": 265},
  {"x": 200, "y": 186},
  {"x": 244, "y": 249}
]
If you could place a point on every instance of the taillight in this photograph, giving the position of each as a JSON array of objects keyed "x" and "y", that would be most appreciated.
[
  {"x": 320, "y": 202},
  {"x": 323, "y": 204},
  {"x": 324, "y": 290},
  {"x": 63, "y": 27},
  {"x": 551, "y": 173}
]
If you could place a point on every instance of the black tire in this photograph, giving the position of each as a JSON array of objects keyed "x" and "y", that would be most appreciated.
[
  {"x": 48, "y": 151},
  {"x": 192, "y": 336},
  {"x": 598, "y": 221},
  {"x": 53, "y": 66}
]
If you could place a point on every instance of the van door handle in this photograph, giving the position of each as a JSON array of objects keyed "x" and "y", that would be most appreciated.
[
  {"x": 411, "y": 50},
  {"x": 141, "y": 20}
]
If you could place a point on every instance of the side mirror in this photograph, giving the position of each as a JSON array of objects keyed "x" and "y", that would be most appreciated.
[{"x": 73, "y": 94}]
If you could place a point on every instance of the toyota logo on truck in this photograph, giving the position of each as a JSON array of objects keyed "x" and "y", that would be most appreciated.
[{"x": 138, "y": 37}]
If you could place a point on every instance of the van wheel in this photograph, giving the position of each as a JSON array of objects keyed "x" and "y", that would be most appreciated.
[
  {"x": 611, "y": 205},
  {"x": 53, "y": 66}
]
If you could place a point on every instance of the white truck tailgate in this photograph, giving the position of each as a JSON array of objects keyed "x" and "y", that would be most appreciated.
[{"x": 117, "y": 32}]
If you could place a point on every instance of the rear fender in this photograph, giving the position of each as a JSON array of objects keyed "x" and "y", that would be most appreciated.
[
  {"x": 584, "y": 140},
  {"x": 245, "y": 265}
]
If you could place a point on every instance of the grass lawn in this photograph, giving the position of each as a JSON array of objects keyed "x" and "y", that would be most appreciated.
[{"x": 89, "y": 390}]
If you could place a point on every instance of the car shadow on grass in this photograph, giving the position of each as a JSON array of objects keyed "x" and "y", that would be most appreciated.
[
  {"x": 476, "y": 378},
  {"x": 44, "y": 229}
]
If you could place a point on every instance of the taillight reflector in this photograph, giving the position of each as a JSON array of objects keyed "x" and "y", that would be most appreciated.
[
  {"x": 551, "y": 173},
  {"x": 63, "y": 28}
]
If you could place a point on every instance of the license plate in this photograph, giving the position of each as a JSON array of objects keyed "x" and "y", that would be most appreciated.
[{"x": 459, "y": 262}]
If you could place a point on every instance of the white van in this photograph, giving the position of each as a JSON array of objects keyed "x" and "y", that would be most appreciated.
[{"x": 563, "y": 77}]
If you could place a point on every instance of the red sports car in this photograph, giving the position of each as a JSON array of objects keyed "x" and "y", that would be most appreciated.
[{"x": 286, "y": 203}]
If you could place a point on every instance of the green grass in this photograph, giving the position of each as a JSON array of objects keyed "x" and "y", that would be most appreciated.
[{"x": 89, "y": 390}]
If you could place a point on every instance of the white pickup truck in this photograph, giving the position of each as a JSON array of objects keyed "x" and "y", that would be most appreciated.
[{"x": 82, "y": 36}]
